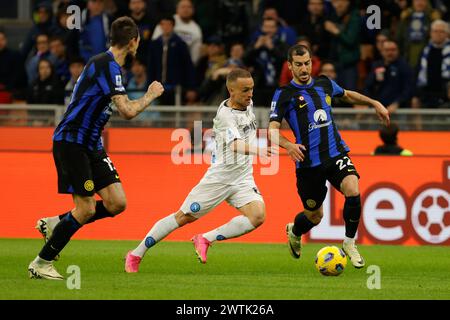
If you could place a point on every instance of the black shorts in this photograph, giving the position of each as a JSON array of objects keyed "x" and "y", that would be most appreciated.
[
  {"x": 82, "y": 171},
  {"x": 311, "y": 182}
]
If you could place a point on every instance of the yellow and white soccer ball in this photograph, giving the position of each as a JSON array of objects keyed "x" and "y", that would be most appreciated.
[{"x": 331, "y": 261}]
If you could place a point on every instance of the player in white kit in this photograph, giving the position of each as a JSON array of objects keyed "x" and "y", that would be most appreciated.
[{"x": 229, "y": 178}]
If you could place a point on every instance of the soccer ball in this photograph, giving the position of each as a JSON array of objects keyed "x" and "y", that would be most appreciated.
[{"x": 331, "y": 261}]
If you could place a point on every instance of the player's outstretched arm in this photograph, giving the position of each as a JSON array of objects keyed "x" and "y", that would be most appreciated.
[
  {"x": 275, "y": 137},
  {"x": 240, "y": 146},
  {"x": 354, "y": 97},
  {"x": 129, "y": 109}
]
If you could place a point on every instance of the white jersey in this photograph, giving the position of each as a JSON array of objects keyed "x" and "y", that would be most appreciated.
[{"x": 229, "y": 167}]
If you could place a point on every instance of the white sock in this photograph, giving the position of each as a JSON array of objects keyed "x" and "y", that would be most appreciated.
[
  {"x": 236, "y": 227},
  {"x": 347, "y": 239},
  {"x": 41, "y": 261},
  {"x": 158, "y": 232}
]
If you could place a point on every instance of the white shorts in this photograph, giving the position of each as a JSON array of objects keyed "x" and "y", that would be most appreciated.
[{"x": 207, "y": 195}]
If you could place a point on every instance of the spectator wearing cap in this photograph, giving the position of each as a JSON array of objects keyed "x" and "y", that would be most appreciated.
[
  {"x": 170, "y": 63},
  {"x": 43, "y": 23},
  {"x": 186, "y": 28}
]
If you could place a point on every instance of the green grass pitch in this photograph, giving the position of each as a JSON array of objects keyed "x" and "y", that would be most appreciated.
[{"x": 235, "y": 271}]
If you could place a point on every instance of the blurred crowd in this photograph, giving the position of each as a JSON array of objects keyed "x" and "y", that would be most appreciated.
[{"x": 191, "y": 45}]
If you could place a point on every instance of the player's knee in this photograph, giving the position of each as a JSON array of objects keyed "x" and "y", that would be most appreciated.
[
  {"x": 85, "y": 208},
  {"x": 353, "y": 192},
  {"x": 183, "y": 219},
  {"x": 116, "y": 206},
  {"x": 350, "y": 186},
  {"x": 119, "y": 207},
  {"x": 258, "y": 218},
  {"x": 86, "y": 212},
  {"x": 316, "y": 216}
]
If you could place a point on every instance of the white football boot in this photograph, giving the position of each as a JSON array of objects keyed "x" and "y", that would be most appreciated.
[
  {"x": 351, "y": 251},
  {"x": 294, "y": 242},
  {"x": 43, "y": 271}
]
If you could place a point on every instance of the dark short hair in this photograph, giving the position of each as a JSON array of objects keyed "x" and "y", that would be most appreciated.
[
  {"x": 140, "y": 61},
  {"x": 269, "y": 19},
  {"x": 389, "y": 133},
  {"x": 324, "y": 62},
  {"x": 77, "y": 59},
  {"x": 236, "y": 74},
  {"x": 56, "y": 38},
  {"x": 390, "y": 40},
  {"x": 297, "y": 50},
  {"x": 123, "y": 30},
  {"x": 167, "y": 17}
]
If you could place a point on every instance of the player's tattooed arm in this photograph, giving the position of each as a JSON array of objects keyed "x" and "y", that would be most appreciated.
[
  {"x": 129, "y": 109},
  {"x": 354, "y": 97},
  {"x": 295, "y": 151}
]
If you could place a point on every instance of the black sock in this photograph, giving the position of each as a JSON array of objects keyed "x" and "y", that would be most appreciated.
[
  {"x": 302, "y": 224},
  {"x": 100, "y": 213},
  {"x": 352, "y": 213},
  {"x": 62, "y": 233}
]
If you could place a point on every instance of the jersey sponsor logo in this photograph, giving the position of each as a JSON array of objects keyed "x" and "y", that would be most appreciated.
[
  {"x": 320, "y": 119},
  {"x": 89, "y": 185},
  {"x": 195, "y": 207}
]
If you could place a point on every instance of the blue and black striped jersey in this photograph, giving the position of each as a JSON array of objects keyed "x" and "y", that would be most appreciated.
[
  {"x": 307, "y": 110},
  {"x": 90, "y": 105}
]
